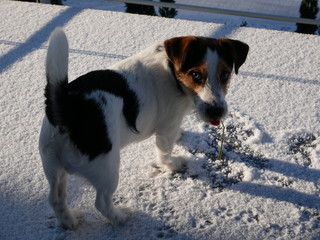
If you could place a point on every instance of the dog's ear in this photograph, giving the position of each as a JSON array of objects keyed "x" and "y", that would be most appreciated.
[
  {"x": 175, "y": 49},
  {"x": 184, "y": 52},
  {"x": 236, "y": 49},
  {"x": 172, "y": 47}
]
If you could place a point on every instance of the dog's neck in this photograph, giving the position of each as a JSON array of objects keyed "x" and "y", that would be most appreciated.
[{"x": 178, "y": 83}]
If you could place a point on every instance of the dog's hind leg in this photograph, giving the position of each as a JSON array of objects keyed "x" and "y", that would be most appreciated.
[
  {"x": 58, "y": 199},
  {"x": 105, "y": 205},
  {"x": 57, "y": 179},
  {"x": 105, "y": 176}
]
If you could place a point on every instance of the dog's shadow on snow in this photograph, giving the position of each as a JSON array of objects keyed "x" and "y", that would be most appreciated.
[
  {"x": 216, "y": 173},
  {"x": 138, "y": 226}
]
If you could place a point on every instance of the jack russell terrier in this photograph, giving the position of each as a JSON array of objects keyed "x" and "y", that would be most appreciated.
[{"x": 90, "y": 119}]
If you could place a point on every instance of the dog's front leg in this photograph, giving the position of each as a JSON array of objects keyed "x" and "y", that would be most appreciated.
[{"x": 165, "y": 142}]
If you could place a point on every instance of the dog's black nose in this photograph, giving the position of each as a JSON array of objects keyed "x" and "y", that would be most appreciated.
[{"x": 214, "y": 112}]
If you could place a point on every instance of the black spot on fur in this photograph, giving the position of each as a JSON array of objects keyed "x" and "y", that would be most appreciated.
[
  {"x": 69, "y": 107},
  {"x": 111, "y": 82}
]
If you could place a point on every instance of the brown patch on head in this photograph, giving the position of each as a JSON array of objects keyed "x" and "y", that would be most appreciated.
[
  {"x": 223, "y": 75},
  {"x": 195, "y": 78},
  {"x": 233, "y": 52},
  {"x": 187, "y": 54}
]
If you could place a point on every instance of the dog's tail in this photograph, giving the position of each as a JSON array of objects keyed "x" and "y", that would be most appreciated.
[{"x": 57, "y": 76}]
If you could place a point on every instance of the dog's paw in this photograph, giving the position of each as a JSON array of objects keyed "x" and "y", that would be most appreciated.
[
  {"x": 71, "y": 220},
  {"x": 176, "y": 163},
  {"x": 172, "y": 165}
]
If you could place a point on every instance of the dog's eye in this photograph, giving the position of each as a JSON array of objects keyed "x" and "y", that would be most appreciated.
[
  {"x": 224, "y": 77},
  {"x": 196, "y": 76}
]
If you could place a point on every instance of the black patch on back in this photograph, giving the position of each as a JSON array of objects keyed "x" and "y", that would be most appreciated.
[
  {"x": 111, "y": 82},
  {"x": 83, "y": 117}
]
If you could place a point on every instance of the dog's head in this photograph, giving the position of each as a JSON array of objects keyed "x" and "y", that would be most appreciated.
[{"x": 203, "y": 66}]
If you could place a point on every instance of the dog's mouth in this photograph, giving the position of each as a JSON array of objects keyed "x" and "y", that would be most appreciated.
[
  {"x": 215, "y": 114},
  {"x": 215, "y": 122},
  {"x": 212, "y": 114}
]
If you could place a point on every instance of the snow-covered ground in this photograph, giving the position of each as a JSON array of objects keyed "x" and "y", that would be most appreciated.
[{"x": 267, "y": 185}]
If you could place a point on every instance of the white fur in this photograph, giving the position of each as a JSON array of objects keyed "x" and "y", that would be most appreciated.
[
  {"x": 212, "y": 92},
  {"x": 162, "y": 108},
  {"x": 57, "y": 56}
]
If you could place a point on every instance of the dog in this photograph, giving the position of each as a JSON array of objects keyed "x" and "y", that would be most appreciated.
[{"x": 90, "y": 119}]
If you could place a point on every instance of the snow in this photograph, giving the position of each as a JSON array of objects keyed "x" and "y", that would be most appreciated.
[{"x": 267, "y": 184}]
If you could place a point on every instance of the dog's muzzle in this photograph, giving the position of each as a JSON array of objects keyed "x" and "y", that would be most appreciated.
[{"x": 212, "y": 113}]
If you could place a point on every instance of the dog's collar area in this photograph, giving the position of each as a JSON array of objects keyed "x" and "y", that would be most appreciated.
[{"x": 178, "y": 83}]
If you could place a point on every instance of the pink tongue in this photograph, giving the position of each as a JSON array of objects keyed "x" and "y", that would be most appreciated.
[{"x": 215, "y": 122}]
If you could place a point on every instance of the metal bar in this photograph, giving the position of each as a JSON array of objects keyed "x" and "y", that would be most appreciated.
[{"x": 223, "y": 11}]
